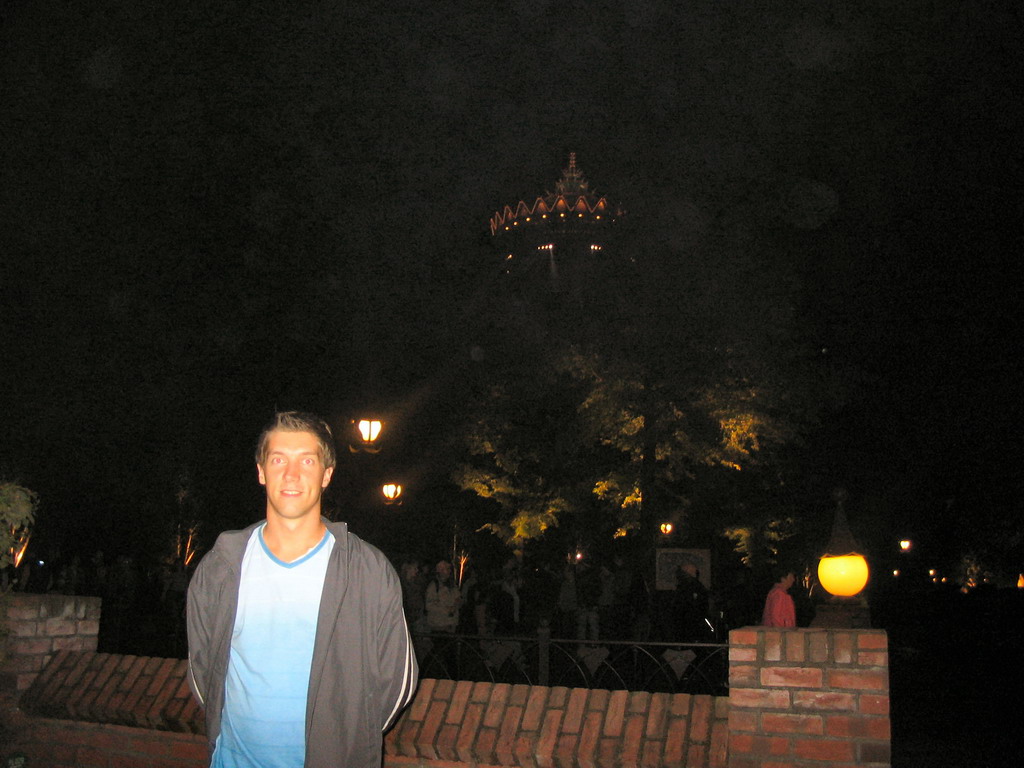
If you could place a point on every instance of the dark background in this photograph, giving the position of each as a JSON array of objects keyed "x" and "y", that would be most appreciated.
[{"x": 209, "y": 213}]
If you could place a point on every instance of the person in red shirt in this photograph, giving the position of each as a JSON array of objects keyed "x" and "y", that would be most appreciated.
[{"x": 779, "y": 608}]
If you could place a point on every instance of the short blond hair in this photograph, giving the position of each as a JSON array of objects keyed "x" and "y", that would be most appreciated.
[{"x": 299, "y": 421}]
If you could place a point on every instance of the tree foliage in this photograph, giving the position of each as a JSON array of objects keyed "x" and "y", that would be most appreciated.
[{"x": 17, "y": 514}]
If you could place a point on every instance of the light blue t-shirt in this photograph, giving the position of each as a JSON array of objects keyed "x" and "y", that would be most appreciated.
[{"x": 264, "y": 720}]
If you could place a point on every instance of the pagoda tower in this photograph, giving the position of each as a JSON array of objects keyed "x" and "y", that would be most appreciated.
[{"x": 560, "y": 239}]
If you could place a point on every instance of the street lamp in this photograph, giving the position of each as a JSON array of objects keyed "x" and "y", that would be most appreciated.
[
  {"x": 842, "y": 570},
  {"x": 392, "y": 493},
  {"x": 366, "y": 433}
]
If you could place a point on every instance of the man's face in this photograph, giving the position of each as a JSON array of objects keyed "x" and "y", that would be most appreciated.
[{"x": 294, "y": 474}]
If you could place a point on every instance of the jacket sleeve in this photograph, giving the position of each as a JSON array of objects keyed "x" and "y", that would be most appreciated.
[
  {"x": 199, "y": 622},
  {"x": 399, "y": 671}
]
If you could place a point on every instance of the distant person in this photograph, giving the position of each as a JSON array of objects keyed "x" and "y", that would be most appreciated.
[
  {"x": 298, "y": 646},
  {"x": 779, "y": 608},
  {"x": 442, "y": 600}
]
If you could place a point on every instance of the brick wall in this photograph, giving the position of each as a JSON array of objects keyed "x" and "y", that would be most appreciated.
[
  {"x": 808, "y": 697},
  {"x": 464, "y": 723},
  {"x": 39, "y": 626},
  {"x": 798, "y": 698}
]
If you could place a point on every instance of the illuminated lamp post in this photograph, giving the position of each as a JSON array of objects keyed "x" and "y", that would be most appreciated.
[
  {"x": 843, "y": 573},
  {"x": 365, "y": 435},
  {"x": 392, "y": 493}
]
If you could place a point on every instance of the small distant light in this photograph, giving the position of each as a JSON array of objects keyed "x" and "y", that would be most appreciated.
[
  {"x": 931, "y": 571},
  {"x": 41, "y": 562},
  {"x": 579, "y": 556},
  {"x": 944, "y": 579},
  {"x": 666, "y": 528},
  {"x": 896, "y": 572},
  {"x": 906, "y": 544}
]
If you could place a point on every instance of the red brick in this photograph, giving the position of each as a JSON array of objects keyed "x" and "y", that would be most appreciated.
[
  {"x": 718, "y": 755},
  {"x": 793, "y": 642},
  {"x": 651, "y": 756},
  {"x": 565, "y": 751},
  {"x": 496, "y": 705},
  {"x": 615, "y": 713},
  {"x": 842, "y": 647},
  {"x": 27, "y": 612},
  {"x": 871, "y": 704},
  {"x": 587, "y": 748},
  {"x": 873, "y": 659},
  {"x": 824, "y": 701},
  {"x": 598, "y": 699},
  {"x": 23, "y": 629},
  {"x": 700, "y": 719},
  {"x": 857, "y": 726},
  {"x": 418, "y": 709},
  {"x": 574, "y": 712},
  {"x": 468, "y": 732},
  {"x": 481, "y": 692},
  {"x": 817, "y": 645},
  {"x": 631, "y": 738},
  {"x": 58, "y": 627},
  {"x": 742, "y": 637},
  {"x": 656, "y": 719},
  {"x": 548, "y": 736},
  {"x": 558, "y": 697},
  {"x": 859, "y": 679},
  {"x": 534, "y": 708},
  {"x": 484, "y": 747},
  {"x": 774, "y": 722},
  {"x": 639, "y": 702},
  {"x": 445, "y": 744},
  {"x": 823, "y": 749},
  {"x": 791, "y": 677},
  {"x": 696, "y": 757},
  {"x": 89, "y": 628},
  {"x": 443, "y": 689},
  {"x": 525, "y": 750},
  {"x": 872, "y": 641},
  {"x": 754, "y": 744},
  {"x": 29, "y": 646},
  {"x": 743, "y": 676},
  {"x": 773, "y": 645},
  {"x": 675, "y": 741},
  {"x": 160, "y": 675},
  {"x": 408, "y": 734},
  {"x": 742, "y": 654},
  {"x": 760, "y": 698},
  {"x": 608, "y": 752},
  {"x": 459, "y": 700},
  {"x": 518, "y": 696},
  {"x": 507, "y": 734},
  {"x": 431, "y": 727},
  {"x": 744, "y": 720},
  {"x": 680, "y": 704}
]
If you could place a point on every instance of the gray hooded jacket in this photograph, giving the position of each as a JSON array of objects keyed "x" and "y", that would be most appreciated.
[{"x": 364, "y": 670}]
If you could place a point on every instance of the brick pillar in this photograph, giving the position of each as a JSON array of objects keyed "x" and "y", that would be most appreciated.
[
  {"x": 37, "y": 627},
  {"x": 808, "y": 697}
]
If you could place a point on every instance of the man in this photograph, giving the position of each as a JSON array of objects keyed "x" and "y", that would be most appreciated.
[
  {"x": 298, "y": 646},
  {"x": 779, "y": 608}
]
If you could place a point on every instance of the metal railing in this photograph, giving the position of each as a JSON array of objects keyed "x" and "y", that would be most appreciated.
[{"x": 610, "y": 664}]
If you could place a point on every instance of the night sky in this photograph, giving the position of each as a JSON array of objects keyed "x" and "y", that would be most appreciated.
[{"x": 208, "y": 213}]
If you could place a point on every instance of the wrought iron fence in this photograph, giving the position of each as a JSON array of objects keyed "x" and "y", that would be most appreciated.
[{"x": 609, "y": 664}]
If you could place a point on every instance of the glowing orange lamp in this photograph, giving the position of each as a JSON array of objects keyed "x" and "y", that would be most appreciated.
[{"x": 842, "y": 570}]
